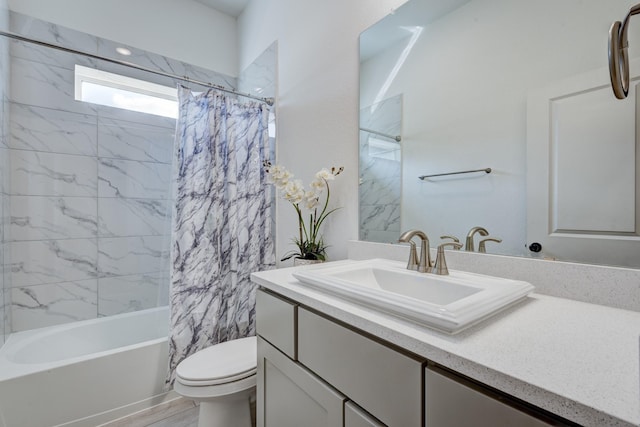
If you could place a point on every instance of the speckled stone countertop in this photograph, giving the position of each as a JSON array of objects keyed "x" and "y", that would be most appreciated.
[{"x": 577, "y": 360}]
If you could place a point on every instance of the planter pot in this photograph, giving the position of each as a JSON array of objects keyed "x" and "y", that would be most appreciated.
[{"x": 301, "y": 261}]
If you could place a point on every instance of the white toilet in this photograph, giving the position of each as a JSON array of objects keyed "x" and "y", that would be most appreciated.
[{"x": 222, "y": 378}]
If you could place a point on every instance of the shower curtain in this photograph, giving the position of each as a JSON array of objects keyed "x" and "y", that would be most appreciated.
[{"x": 221, "y": 226}]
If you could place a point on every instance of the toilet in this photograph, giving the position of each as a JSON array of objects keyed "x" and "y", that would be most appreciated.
[{"x": 222, "y": 379}]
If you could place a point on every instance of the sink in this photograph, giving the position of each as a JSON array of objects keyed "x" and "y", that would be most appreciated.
[{"x": 447, "y": 303}]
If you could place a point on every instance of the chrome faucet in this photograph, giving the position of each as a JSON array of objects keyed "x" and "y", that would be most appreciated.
[
  {"x": 481, "y": 247},
  {"x": 454, "y": 239},
  {"x": 424, "y": 265},
  {"x": 441, "y": 263},
  {"x": 469, "y": 246}
]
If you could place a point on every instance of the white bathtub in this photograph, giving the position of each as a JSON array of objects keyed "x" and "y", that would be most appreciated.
[{"x": 84, "y": 373}]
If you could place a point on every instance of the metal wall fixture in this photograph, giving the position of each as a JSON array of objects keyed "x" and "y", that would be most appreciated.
[
  {"x": 268, "y": 101},
  {"x": 619, "y": 56},
  {"x": 486, "y": 170},
  {"x": 396, "y": 138}
]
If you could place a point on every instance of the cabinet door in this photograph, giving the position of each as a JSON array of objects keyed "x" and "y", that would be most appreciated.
[
  {"x": 354, "y": 416},
  {"x": 450, "y": 403},
  {"x": 381, "y": 380},
  {"x": 290, "y": 396}
]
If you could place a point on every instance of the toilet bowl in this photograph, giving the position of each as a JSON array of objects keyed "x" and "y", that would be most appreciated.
[{"x": 222, "y": 379}]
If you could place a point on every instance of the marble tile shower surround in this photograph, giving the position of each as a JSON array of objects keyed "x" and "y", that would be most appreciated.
[
  {"x": 221, "y": 221},
  {"x": 380, "y": 178},
  {"x": 91, "y": 185}
]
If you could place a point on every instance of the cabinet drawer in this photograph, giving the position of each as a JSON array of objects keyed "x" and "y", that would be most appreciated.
[
  {"x": 384, "y": 382},
  {"x": 453, "y": 402},
  {"x": 276, "y": 322}
]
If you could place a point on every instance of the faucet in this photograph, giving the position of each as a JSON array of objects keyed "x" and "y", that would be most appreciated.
[
  {"x": 441, "y": 263},
  {"x": 481, "y": 247},
  {"x": 424, "y": 266},
  {"x": 469, "y": 246},
  {"x": 454, "y": 239}
]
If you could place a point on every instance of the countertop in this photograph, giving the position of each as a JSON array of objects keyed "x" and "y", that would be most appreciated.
[{"x": 578, "y": 360}]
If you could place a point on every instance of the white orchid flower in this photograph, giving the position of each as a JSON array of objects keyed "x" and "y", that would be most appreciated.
[
  {"x": 294, "y": 191},
  {"x": 283, "y": 179},
  {"x": 311, "y": 199},
  {"x": 317, "y": 185},
  {"x": 280, "y": 176},
  {"x": 325, "y": 174}
]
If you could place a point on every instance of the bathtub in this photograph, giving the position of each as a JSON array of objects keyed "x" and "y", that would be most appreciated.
[{"x": 84, "y": 373}]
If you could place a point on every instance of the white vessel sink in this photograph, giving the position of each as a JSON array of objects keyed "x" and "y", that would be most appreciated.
[{"x": 448, "y": 303}]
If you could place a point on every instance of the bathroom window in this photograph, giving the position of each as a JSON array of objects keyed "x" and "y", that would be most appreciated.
[{"x": 114, "y": 90}]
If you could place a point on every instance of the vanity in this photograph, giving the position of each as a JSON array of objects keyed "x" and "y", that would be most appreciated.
[{"x": 326, "y": 361}]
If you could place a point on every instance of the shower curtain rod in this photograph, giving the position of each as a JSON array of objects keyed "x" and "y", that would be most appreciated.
[{"x": 268, "y": 101}]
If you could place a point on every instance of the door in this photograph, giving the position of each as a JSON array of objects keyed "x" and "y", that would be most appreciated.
[{"x": 583, "y": 188}]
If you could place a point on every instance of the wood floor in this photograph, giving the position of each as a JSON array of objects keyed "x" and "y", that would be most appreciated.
[{"x": 179, "y": 412}]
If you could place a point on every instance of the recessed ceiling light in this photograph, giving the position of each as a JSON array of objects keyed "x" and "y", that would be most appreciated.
[{"x": 123, "y": 51}]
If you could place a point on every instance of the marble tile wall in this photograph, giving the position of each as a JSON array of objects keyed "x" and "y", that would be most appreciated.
[
  {"x": 91, "y": 185},
  {"x": 4, "y": 157},
  {"x": 380, "y": 172}
]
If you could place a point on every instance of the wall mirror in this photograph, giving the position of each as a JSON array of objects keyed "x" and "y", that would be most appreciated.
[{"x": 521, "y": 88}]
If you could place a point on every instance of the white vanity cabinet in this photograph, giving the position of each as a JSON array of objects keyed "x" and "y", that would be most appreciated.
[
  {"x": 451, "y": 401},
  {"x": 355, "y": 416},
  {"x": 288, "y": 393},
  {"x": 383, "y": 381},
  {"x": 316, "y": 371},
  {"x": 291, "y": 396}
]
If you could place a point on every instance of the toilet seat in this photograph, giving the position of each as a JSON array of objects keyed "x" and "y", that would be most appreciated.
[{"x": 222, "y": 363}]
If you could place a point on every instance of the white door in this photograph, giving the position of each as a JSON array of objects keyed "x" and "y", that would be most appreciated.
[{"x": 583, "y": 188}]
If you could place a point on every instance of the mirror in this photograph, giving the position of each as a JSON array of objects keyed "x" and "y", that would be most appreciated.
[{"x": 520, "y": 88}]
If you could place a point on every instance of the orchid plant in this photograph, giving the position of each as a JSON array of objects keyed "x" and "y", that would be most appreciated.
[{"x": 310, "y": 244}]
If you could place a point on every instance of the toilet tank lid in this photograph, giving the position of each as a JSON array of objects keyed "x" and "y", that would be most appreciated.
[{"x": 225, "y": 360}]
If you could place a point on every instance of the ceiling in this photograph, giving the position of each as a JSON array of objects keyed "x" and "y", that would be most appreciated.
[{"x": 230, "y": 7}]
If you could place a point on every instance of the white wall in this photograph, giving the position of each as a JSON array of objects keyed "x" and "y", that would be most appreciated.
[
  {"x": 317, "y": 98},
  {"x": 181, "y": 29}
]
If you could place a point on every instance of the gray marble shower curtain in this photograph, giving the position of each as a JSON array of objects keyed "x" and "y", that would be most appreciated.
[{"x": 221, "y": 221}]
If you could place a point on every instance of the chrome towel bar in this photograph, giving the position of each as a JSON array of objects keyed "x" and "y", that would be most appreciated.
[
  {"x": 423, "y": 177},
  {"x": 396, "y": 138}
]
